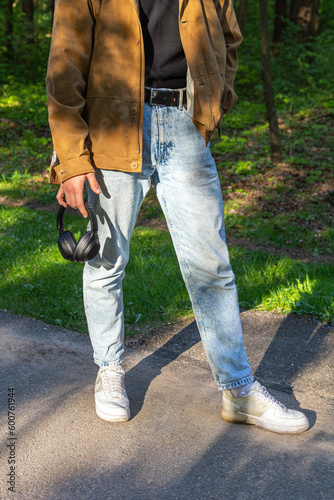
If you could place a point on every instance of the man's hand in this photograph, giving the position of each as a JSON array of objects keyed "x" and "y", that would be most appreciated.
[{"x": 73, "y": 189}]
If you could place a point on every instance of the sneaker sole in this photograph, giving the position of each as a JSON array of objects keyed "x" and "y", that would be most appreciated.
[
  {"x": 111, "y": 418},
  {"x": 244, "y": 418}
]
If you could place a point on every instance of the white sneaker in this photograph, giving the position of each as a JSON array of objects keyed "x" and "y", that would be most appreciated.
[
  {"x": 111, "y": 400},
  {"x": 258, "y": 407}
]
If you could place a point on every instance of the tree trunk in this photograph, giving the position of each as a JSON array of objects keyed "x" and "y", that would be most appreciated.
[
  {"x": 28, "y": 9},
  {"x": 281, "y": 14},
  {"x": 28, "y": 14},
  {"x": 275, "y": 140},
  {"x": 9, "y": 29},
  {"x": 314, "y": 28},
  {"x": 305, "y": 13},
  {"x": 242, "y": 14}
]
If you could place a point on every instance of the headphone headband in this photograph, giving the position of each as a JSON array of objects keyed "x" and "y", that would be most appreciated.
[{"x": 91, "y": 214}]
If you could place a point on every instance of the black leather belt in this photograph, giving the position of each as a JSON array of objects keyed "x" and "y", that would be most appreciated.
[{"x": 162, "y": 97}]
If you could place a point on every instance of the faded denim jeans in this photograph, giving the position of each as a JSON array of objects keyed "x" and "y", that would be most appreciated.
[{"x": 187, "y": 186}]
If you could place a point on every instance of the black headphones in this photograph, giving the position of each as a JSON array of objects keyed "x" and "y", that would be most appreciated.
[{"x": 88, "y": 245}]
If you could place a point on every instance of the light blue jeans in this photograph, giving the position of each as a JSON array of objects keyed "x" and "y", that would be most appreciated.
[{"x": 187, "y": 186}]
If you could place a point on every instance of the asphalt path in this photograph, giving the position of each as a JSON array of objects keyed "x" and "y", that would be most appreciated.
[{"x": 175, "y": 446}]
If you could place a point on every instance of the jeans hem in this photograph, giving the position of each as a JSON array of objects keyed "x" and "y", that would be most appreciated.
[
  {"x": 109, "y": 364},
  {"x": 236, "y": 383}
]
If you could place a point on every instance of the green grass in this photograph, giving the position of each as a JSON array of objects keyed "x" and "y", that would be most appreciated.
[
  {"x": 289, "y": 205},
  {"x": 274, "y": 283},
  {"x": 36, "y": 281},
  {"x": 27, "y": 188},
  {"x": 25, "y": 142}
]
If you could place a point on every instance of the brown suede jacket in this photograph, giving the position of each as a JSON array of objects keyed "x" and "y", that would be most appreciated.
[{"x": 96, "y": 74}]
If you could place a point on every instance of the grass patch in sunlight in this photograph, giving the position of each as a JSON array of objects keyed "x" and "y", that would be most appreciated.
[
  {"x": 26, "y": 187},
  {"x": 275, "y": 283},
  {"x": 36, "y": 281}
]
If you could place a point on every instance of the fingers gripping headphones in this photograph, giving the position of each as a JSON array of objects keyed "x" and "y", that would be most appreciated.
[{"x": 88, "y": 245}]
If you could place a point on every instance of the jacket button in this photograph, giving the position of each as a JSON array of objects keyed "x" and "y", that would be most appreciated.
[
  {"x": 134, "y": 110},
  {"x": 134, "y": 165}
]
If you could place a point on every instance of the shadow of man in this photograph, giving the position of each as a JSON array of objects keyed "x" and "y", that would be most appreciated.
[
  {"x": 139, "y": 378},
  {"x": 295, "y": 352},
  {"x": 280, "y": 350}
]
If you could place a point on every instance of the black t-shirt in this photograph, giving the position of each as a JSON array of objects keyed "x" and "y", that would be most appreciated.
[{"x": 165, "y": 62}]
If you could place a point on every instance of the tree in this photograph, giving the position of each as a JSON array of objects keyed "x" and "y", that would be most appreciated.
[
  {"x": 275, "y": 140},
  {"x": 9, "y": 29},
  {"x": 305, "y": 13},
  {"x": 242, "y": 14},
  {"x": 281, "y": 15},
  {"x": 28, "y": 10}
]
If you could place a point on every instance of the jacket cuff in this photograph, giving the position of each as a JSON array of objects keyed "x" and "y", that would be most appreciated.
[{"x": 70, "y": 168}]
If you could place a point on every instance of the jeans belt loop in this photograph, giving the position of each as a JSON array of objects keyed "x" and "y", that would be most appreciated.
[
  {"x": 151, "y": 96},
  {"x": 180, "y": 99}
]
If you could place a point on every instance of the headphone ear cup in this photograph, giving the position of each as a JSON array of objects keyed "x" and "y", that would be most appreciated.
[
  {"x": 87, "y": 247},
  {"x": 67, "y": 245}
]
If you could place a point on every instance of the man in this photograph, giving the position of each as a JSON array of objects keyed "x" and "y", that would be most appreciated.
[{"x": 135, "y": 91}]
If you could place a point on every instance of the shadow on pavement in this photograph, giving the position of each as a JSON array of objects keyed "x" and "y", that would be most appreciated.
[{"x": 290, "y": 351}]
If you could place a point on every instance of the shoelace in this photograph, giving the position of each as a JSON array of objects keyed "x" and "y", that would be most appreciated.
[
  {"x": 113, "y": 384},
  {"x": 270, "y": 399}
]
